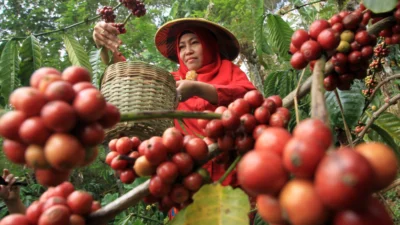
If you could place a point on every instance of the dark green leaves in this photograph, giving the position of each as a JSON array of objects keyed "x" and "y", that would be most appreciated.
[
  {"x": 98, "y": 67},
  {"x": 279, "y": 35},
  {"x": 353, "y": 103},
  {"x": 9, "y": 65},
  {"x": 31, "y": 59},
  {"x": 77, "y": 55}
]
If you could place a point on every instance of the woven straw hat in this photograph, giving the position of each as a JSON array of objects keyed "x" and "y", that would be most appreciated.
[{"x": 165, "y": 38}]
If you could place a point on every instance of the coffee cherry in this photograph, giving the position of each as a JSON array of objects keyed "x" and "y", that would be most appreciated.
[
  {"x": 317, "y": 27},
  {"x": 299, "y": 37},
  {"x": 311, "y": 50},
  {"x": 329, "y": 39},
  {"x": 298, "y": 61}
]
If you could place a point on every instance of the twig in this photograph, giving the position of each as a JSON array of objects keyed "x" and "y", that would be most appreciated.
[
  {"x": 397, "y": 76},
  {"x": 230, "y": 169},
  {"x": 391, "y": 186},
  {"x": 386, "y": 205},
  {"x": 64, "y": 28},
  {"x": 145, "y": 115},
  {"x": 127, "y": 18},
  {"x": 296, "y": 105},
  {"x": 300, "y": 6},
  {"x": 346, "y": 128},
  {"x": 318, "y": 105},
  {"x": 371, "y": 120}
]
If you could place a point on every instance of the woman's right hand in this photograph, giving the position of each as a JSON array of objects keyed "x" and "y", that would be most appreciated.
[
  {"x": 104, "y": 34},
  {"x": 9, "y": 192}
]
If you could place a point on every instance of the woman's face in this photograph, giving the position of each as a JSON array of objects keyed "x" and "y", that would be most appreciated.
[{"x": 191, "y": 51}]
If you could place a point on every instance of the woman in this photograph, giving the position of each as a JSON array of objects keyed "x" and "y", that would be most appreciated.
[{"x": 202, "y": 48}]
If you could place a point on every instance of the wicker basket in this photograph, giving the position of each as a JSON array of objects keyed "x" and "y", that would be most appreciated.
[{"x": 138, "y": 86}]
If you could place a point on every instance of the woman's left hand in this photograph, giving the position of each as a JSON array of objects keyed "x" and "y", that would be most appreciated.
[
  {"x": 186, "y": 89},
  {"x": 189, "y": 88}
]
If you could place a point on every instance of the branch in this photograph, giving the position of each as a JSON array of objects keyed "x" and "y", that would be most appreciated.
[
  {"x": 371, "y": 120},
  {"x": 346, "y": 128},
  {"x": 145, "y": 115},
  {"x": 64, "y": 28},
  {"x": 392, "y": 185},
  {"x": 318, "y": 105},
  {"x": 229, "y": 170},
  {"x": 296, "y": 107},
  {"x": 299, "y": 7},
  {"x": 129, "y": 199},
  {"x": 397, "y": 76}
]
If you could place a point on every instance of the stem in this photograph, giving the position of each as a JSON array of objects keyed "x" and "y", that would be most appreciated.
[
  {"x": 300, "y": 6},
  {"x": 381, "y": 84},
  {"x": 392, "y": 185},
  {"x": 346, "y": 128},
  {"x": 318, "y": 105},
  {"x": 382, "y": 109},
  {"x": 145, "y": 115},
  {"x": 386, "y": 205},
  {"x": 230, "y": 169},
  {"x": 146, "y": 218},
  {"x": 296, "y": 106},
  {"x": 127, "y": 158},
  {"x": 64, "y": 28},
  {"x": 127, "y": 18}
]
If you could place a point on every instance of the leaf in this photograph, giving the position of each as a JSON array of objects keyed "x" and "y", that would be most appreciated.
[
  {"x": 179, "y": 219},
  {"x": 259, "y": 221},
  {"x": 77, "y": 55},
  {"x": 279, "y": 36},
  {"x": 2, "y": 45},
  {"x": 9, "y": 70},
  {"x": 353, "y": 103},
  {"x": 174, "y": 9},
  {"x": 259, "y": 27},
  {"x": 390, "y": 123},
  {"x": 215, "y": 204},
  {"x": 272, "y": 82},
  {"x": 98, "y": 67},
  {"x": 387, "y": 139},
  {"x": 380, "y": 6},
  {"x": 31, "y": 59}
]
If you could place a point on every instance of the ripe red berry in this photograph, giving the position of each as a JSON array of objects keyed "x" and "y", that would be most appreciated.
[{"x": 311, "y": 50}]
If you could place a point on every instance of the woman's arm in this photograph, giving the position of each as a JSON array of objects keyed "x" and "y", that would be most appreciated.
[{"x": 188, "y": 88}]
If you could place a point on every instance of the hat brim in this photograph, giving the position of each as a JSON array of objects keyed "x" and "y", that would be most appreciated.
[{"x": 165, "y": 38}]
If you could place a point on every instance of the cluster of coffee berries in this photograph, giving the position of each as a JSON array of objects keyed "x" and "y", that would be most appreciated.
[
  {"x": 358, "y": 129},
  {"x": 135, "y": 6},
  {"x": 381, "y": 50},
  {"x": 107, "y": 14},
  {"x": 172, "y": 161},
  {"x": 56, "y": 124},
  {"x": 120, "y": 27},
  {"x": 344, "y": 39},
  {"x": 243, "y": 121},
  {"x": 391, "y": 35},
  {"x": 61, "y": 205},
  {"x": 370, "y": 83},
  {"x": 285, "y": 171}
]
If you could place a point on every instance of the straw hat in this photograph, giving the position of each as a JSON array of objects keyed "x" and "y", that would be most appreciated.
[{"x": 166, "y": 35}]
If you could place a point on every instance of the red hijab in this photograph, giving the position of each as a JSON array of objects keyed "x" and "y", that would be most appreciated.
[{"x": 213, "y": 63}]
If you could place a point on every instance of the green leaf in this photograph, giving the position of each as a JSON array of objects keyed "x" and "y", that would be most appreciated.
[
  {"x": 31, "y": 59},
  {"x": 9, "y": 70},
  {"x": 380, "y": 6},
  {"x": 174, "y": 9},
  {"x": 279, "y": 36},
  {"x": 98, "y": 67},
  {"x": 216, "y": 205},
  {"x": 387, "y": 139},
  {"x": 179, "y": 219},
  {"x": 2, "y": 45},
  {"x": 390, "y": 123},
  {"x": 77, "y": 55},
  {"x": 272, "y": 82},
  {"x": 353, "y": 103},
  {"x": 259, "y": 221}
]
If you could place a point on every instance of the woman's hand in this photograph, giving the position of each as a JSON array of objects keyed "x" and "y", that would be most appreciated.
[
  {"x": 104, "y": 34},
  {"x": 9, "y": 192},
  {"x": 188, "y": 88}
]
